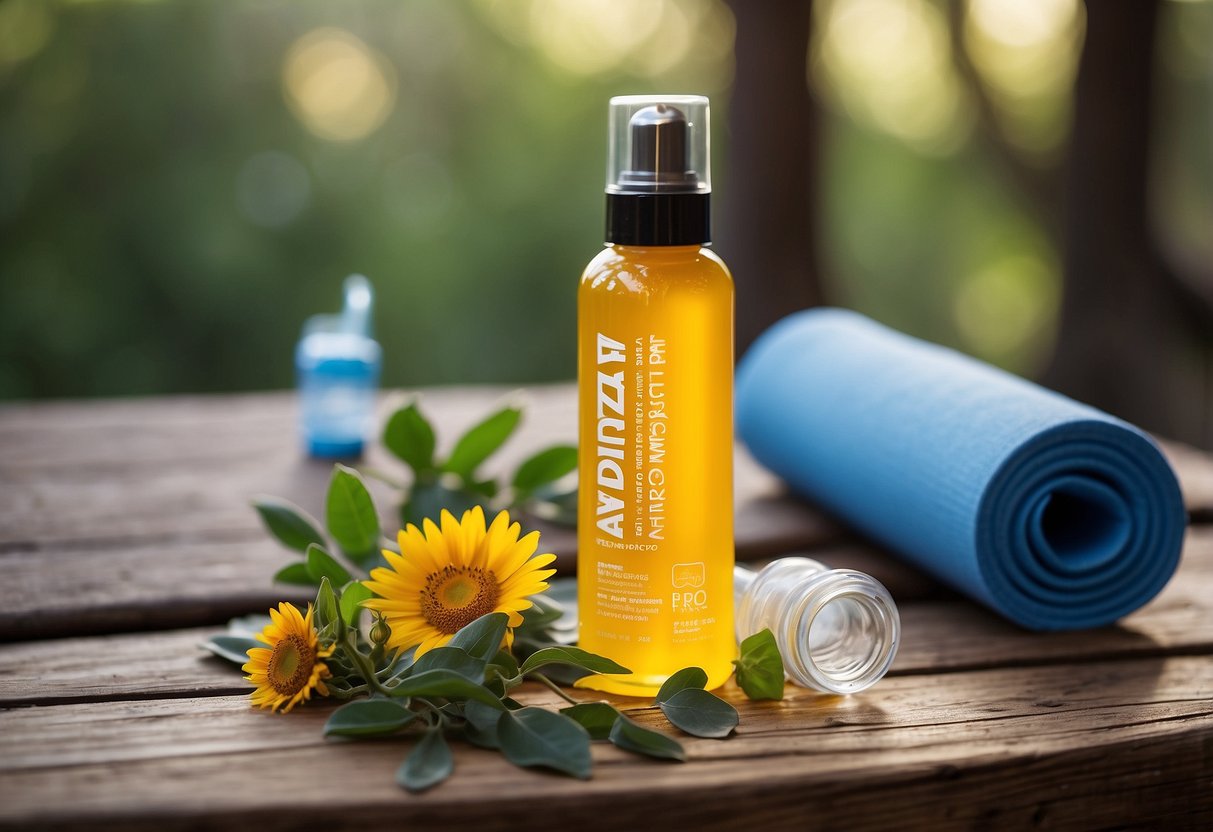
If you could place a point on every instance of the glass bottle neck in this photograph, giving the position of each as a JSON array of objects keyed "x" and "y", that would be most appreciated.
[{"x": 837, "y": 630}]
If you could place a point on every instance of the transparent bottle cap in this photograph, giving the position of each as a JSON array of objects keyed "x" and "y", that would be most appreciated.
[{"x": 659, "y": 144}]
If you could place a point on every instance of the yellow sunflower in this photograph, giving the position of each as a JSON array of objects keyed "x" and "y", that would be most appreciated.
[
  {"x": 445, "y": 578},
  {"x": 287, "y": 671}
]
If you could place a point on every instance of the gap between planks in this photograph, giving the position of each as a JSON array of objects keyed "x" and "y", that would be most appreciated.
[
  {"x": 937, "y": 637},
  {"x": 1066, "y": 742}
]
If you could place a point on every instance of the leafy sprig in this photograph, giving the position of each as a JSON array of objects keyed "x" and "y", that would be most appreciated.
[
  {"x": 455, "y": 483},
  {"x": 347, "y": 546},
  {"x": 345, "y": 549},
  {"x": 462, "y": 690}
]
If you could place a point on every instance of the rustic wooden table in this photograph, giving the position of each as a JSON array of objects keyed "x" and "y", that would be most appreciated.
[{"x": 126, "y": 539}]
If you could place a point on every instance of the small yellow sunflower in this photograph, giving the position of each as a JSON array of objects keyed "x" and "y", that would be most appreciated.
[
  {"x": 446, "y": 578},
  {"x": 287, "y": 671}
]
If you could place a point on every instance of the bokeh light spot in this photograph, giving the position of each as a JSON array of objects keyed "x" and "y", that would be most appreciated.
[
  {"x": 1019, "y": 24},
  {"x": 25, "y": 28},
  {"x": 1007, "y": 311},
  {"x": 888, "y": 64},
  {"x": 337, "y": 86},
  {"x": 1027, "y": 53},
  {"x": 681, "y": 42}
]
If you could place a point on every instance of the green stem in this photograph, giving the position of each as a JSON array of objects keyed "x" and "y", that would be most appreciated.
[
  {"x": 435, "y": 716},
  {"x": 364, "y": 665},
  {"x": 338, "y": 693},
  {"x": 555, "y": 688}
]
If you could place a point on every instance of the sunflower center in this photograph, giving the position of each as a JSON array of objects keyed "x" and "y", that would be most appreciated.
[
  {"x": 456, "y": 596},
  {"x": 290, "y": 665}
]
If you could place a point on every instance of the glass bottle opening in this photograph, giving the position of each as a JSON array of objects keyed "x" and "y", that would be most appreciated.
[
  {"x": 837, "y": 630},
  {"x": 847, "y": 642}
]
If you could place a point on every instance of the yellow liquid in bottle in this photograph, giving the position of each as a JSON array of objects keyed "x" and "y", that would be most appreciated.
[{"x": 655, "y": 512}]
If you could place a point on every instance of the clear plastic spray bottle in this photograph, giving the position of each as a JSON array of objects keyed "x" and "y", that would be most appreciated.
[{"x": 655, "y": 369}]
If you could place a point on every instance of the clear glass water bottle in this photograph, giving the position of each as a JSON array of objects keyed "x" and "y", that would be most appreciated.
[{"x": 837, "y": 630}]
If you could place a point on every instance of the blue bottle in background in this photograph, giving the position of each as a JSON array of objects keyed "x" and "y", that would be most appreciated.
[{"x": 337, "y": 362}]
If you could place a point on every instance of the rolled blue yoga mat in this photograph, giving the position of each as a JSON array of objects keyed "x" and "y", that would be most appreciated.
[{"x": 1050, "y": 512}]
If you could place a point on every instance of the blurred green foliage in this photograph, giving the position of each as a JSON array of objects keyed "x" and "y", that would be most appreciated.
[{"x": 183, "y": 183}]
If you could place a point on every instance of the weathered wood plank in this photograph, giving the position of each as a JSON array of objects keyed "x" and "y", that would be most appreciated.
[
  {"x": 961, "y": 635},
  {"x": 155, "y": 665},
  {"x": 169, "y": 467},
  {"x": 182, "y": 582},
  {"x": 937, "y": 637},
  {"x": 1078, "y": 746},
  {"x": 166, "y": 467},
  {"x": 143, "y": 587},
  {"x": 133, "y": 484},
  {"x": 1195, "y": 471}
]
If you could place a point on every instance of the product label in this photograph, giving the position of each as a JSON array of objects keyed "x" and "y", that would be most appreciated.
[
  {"x": 633, "y": 417},
  {"x": 611, "y": 437}
]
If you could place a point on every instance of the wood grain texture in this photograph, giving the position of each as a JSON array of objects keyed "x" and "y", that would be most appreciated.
[
  {"x": 122, "y": 515},
  {"x": 132, "y": 517},
  {"x": 944, "y": 750},
  {"x": 171, "y": 467},
  {"x": 152, "y": 665},
  {"x": 131, "y": 484},
  {"x": 938, "y": 636}
]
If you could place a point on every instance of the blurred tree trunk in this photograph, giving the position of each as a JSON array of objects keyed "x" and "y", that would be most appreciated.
[
  {"x": 1134, "y": 339},
  {"x": 1131, "y": 340},
  {"x": 768, "y": 230}
]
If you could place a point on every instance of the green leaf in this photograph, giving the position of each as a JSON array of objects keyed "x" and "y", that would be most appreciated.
[
  {"x": 501, "y": 675},
  {"x": 688, "y": 677},
  {"x": 454, "y": 659},
  {"x": 505, "y": 663},
  {"x": 427, "y": 500},
  {"x": 475, "y": 446},
  {"x": 538, "y": 737},
  {"x": 597, "y": 718},
  {"x": 546, "y": 466},
  {"x": 760, "y": 667},
  {"x": 700, "y": 713},
  {"x": 428, "y": 764},
  {"x": 481, "y": 727},
  {"x": 574, "y": 656},
  {"x": 482, "y": 488},
  {"x": 565, "y": 674},
  {"x": 367, "y": 718},
  {"x": 352, "y": 596},
  {"x": 350, "y": 514},
  {"x": 295, "y": 573},
  {"x": 320, "y": 564},
  {"x": 233, "y": 648},
  {"x": 630, "y": 736},
  {"x": 411, "y": 437},
  {"x": 327, "y": 616},
  {"x": 445, "y": 684},
  {"x": 293, "y": 526},
  {"x": 482, "y": 638}
]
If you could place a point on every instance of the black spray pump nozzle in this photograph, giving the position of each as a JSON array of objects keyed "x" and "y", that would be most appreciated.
[
  {"x": 660, "y": 152},
  {"x": 658, "y": 182}
]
